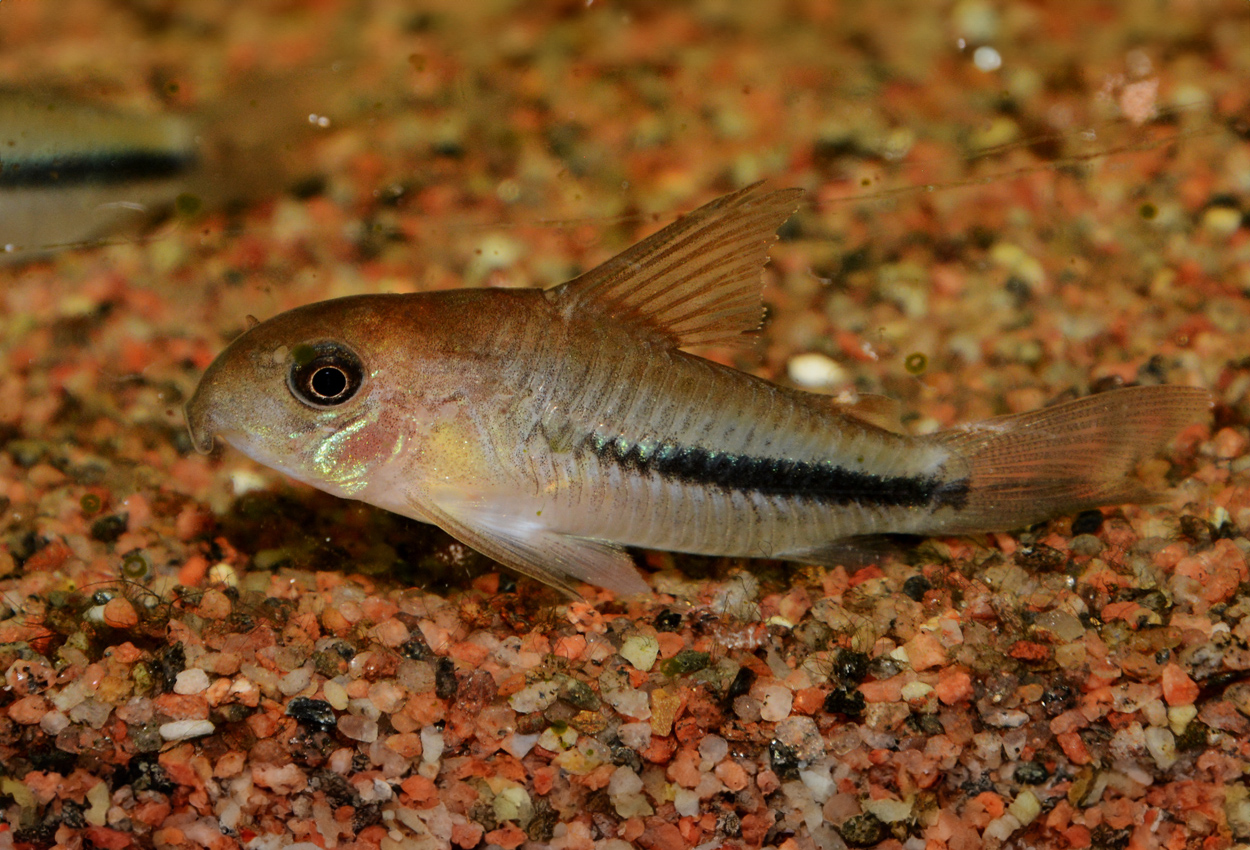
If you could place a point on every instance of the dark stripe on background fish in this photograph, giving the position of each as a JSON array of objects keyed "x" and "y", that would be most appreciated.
[
  {"x": 94, "y": 168},
  {"x": 827, "y": 483}
]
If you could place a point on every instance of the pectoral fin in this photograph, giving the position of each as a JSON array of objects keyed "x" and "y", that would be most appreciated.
[{"x": 559, "y": 560}]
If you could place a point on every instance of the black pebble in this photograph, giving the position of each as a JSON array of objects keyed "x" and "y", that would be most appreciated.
[
  {"x": 1031, "y": 773},
  {"x": 416, "y": 648},
  {"x": 107, "y": 529},
  {"x": 842, "y": 701},
  {"x": 667, "y": 621},
  {"x": 916, "y": 587},
  {"x": 741, "y": 684},
  {"x": 445, "y": 683},
  {"x": 784, "y": 760},
  {"x": 1087, "y": 522},
  {"x": 312, "y": 712},
  {"x": 850, "y": 666}
]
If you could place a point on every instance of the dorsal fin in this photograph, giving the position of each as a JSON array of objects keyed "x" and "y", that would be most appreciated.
[{"x": 697, "y": 281}]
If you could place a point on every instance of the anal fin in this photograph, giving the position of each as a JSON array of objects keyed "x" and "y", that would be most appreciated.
[{"x": 559, "y": 560}]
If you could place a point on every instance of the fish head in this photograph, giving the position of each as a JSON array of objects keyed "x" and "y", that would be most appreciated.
[{"x": 303, "y": 393}]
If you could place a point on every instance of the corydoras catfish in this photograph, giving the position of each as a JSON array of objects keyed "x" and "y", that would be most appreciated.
[{"x": 549, "y": 429}]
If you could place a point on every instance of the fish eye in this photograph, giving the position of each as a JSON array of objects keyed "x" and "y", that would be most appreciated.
[{"x": 324, "y": 374}]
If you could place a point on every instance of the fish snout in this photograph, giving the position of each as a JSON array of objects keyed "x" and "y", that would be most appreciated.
[{"x": 200, "y": 422}]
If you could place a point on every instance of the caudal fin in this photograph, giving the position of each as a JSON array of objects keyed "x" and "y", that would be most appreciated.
[{"x": 1067, "y": 458}]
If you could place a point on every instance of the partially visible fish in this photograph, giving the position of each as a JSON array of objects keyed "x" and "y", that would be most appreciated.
[
  {"x": 72, "y": 172},
  {"x": 550, "y": 429}
]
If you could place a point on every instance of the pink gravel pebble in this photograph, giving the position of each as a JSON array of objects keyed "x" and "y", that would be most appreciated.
[
  {"x": 29, "y": 710},
  {"x": 1074, "y": 747},
  {"x": 391, "y": 633},
  {"x": 953, "y": 686},
  {"x": 684, "y": 768},
  {"x": 925, "y": 651},
  {"x": 1178, "y": 688},
  {"x": 732, "y": 774},
  {"x": 886, "y": 690}
]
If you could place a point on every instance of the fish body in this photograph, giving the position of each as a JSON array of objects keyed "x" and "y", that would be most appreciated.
[
  {"x": 72, "y": 172},
  {"x": 549, "y": 429}
]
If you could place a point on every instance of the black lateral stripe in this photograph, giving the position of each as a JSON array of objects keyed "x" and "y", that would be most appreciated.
[
  {"x": 824, "y": 482},
  {"x": 103, "y": 168}
]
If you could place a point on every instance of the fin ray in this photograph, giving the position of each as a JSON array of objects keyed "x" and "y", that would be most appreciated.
[
  {"x": 882, "y": 411},
  {"x": 697, "y": 281},
  {"x": 1032, "y": 466}
]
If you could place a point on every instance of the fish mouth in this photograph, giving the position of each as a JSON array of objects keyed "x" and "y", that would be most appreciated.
[{"x": 200, "y": 425}]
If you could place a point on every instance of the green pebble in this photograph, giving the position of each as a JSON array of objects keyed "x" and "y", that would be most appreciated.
[{"x": 685, "y": 662}]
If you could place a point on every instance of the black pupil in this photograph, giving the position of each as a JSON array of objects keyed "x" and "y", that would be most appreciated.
[
  {"x": 328, "y": 381},
  {"x": 325, "y": 374}
]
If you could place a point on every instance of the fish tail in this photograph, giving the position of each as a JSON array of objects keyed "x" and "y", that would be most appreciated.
[{"x": 1070, "y": 457}]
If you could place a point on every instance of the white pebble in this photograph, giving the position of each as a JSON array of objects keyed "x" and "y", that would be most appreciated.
[
  {"x": 358, "y": 728},
  {"x": 819, "y": 782},
  {"x": 636, "y": 736},
  {"x": 815, "y": 370},
  {"x": 513, "y": 803},
  {"x": 778, "y": 700},
  {"x": 336, "y": 695},
  {"x": 1025, "y": 807},
  {"x": 1179, "y": 717},
  {"x": 557, "y": 742},
  {"x": 223, "y": 574},
  {"x": 181, "y": 730},
  {"x": 192, "y": 681},
  {"x": 69, "y": 696},
  {"x": 1000, "y": 829},
  {"x": 888, "y": 811},
  {"x": 976, "y": 20},
  {"x": 1162, "y": 746},
  {"x": 640, "y": 651},
  {"x": 1221, "y": 221},
  {"x": 99, "y": 798},
  {"x": 432, "y": 745},
  {"x": 536, "y": 697},
  {"x": 518, "y": 745},
  {"x": 53, "y": 722},
  {"x": 1155, "y": 712},
  {"x": 624, "y": 781},
  {"x": 630, "y": 702},
  {"x": 295, "y": 681},
  {"x": 686, "y": 802},
  {"x": 712, "y": 749},
  {"x": 495, "y": 251},
  {"x": 92, "y": 712},
  {"x": 916, "y": 691},
  {"x": 802, "y": 735},
  {"x": 244, "y": 481},
  {"x": 987, "y": 58}
]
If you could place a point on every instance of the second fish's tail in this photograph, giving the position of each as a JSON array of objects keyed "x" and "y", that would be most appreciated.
[{"x": 1069, "y": 457}]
